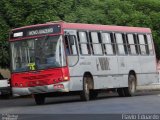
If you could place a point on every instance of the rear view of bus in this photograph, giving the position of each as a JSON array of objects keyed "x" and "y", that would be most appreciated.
[{"x": 38, "y": 61}]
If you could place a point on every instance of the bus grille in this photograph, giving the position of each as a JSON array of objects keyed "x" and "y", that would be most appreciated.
[{"x": 38, "y": 89}]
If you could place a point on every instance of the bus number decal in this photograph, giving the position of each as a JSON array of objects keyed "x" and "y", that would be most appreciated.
[
  {"x": 31, "y": 66},
  {"x": 104, "y": 64}
]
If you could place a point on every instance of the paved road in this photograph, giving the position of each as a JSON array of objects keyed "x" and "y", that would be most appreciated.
[{"x": 105, "y": 104}]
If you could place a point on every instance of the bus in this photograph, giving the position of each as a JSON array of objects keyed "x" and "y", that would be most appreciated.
[{"x": 58, "y": 58}]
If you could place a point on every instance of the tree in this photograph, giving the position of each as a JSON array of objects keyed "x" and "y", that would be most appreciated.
[
  {"x": 4, "y": 49},
  {"x": 17, "y": 13}
]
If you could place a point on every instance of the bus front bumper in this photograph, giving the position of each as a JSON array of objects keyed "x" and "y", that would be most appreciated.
[{"x": 60, "y": 87}]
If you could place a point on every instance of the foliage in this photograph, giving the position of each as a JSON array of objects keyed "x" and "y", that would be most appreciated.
[{"x": 17, "y": 13}]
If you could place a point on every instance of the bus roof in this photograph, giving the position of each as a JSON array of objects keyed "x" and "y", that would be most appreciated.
[
  {"x": 82, "y": 26},
  {"x": 105, "y": 27}
]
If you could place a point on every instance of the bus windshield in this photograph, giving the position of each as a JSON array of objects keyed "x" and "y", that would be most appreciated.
[{"x": 38, "y": 53}]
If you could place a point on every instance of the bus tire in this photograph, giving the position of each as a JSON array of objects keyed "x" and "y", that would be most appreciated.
[
  {"x": 85, "y": 95},
  {"x": 131, "y": 89},
  {"x": 120, "y": 92},
  {"x": 39, "y": 99},
  {"x": 93, "y": 95}
]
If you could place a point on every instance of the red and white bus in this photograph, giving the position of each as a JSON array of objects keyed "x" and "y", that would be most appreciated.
[{"x": 60, "y": 57}]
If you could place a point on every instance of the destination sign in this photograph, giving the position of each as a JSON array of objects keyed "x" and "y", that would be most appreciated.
[
  {"x": 35, "y": 31},
  {"x": 18, "y": 34},
  {"x": 40, "y": 31}
]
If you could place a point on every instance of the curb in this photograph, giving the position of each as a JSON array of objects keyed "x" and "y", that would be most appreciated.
[{"x": 154, "y": 86}]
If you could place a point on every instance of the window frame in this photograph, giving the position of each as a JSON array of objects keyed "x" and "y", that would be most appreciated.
[
  {"x": 140, "y": 44},
  {"x": 112, "y": 43},
  {"x": 152, "y": 44},
  {"x": 99, "y": 42},
  {"x": 75, "y": 39},
  {"x": 136, "y": 44},
  {"x": 124, "y": 44},
  {"x": 87, "y": 43}
]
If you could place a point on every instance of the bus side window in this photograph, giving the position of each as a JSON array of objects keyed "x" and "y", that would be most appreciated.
[
  {"x": 150, "y": 44},
  {"x": 131, "y": 46},
  {"x": 70, "y": 45},
  {"x": 107, "y": 44},
  {"x": 120, "y": 43},
  {"x": 83, "y": 43},
  {"x": 142, "y": 44},
  {"x": 95, "y": 41},
  {"x": 136, "y": 44},
  {"x": 146, "y": 44},
  {"x": 125, "y": 43}
]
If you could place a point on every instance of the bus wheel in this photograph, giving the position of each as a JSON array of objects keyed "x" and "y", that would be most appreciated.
[
  {"x": 93, "y": 94},
  {"x": 131, "y": 89},
  {"x": 120, "y": 92},
  {"x": 39, "y": 99},
  {"x": 85, "y": 95}
]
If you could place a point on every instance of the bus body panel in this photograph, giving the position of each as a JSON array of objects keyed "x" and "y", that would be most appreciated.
[
  {"x": 104, "y": 75},
  {"x": 40, "y": 81},
  {"x": 59, "y": 87},
  {"x": 81, "y": 26},
  {"x": 38, "y": 78},
  {"x": 111, "y": 78}
]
